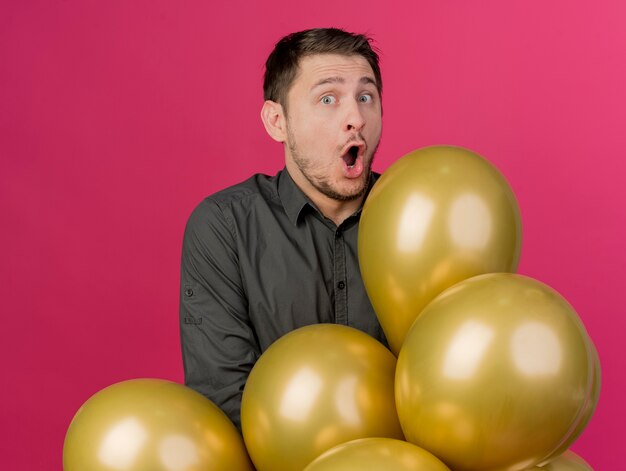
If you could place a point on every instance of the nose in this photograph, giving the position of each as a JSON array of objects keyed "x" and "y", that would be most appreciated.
[{"x": 354, "y": 118}]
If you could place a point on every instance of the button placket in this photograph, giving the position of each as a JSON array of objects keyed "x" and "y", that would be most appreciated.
[{"x": 341, "y": 298}]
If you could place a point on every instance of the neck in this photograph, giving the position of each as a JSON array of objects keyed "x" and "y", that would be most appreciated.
[{"x": 336, "y": 211}]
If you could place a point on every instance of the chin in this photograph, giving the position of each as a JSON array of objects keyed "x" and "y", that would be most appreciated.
[{"x": 352, "y": 193}]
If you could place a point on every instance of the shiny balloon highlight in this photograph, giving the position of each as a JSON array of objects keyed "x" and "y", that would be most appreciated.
[
  {"x": 315, "y": 388},
  {"x": 152, "y": 425},
  {"x": 496, "y": 373},
  {"x": 437, "y": 216}
]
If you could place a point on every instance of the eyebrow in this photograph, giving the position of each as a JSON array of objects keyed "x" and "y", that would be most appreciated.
[{"x": 329, "y": 80}]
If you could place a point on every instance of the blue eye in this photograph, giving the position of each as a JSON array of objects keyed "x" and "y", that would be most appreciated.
[
  {"x": 328, "y": 100},
  {"x": 365, "y": 98}
]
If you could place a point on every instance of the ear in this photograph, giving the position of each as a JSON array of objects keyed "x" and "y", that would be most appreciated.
[{"x": 274, "y": 120}]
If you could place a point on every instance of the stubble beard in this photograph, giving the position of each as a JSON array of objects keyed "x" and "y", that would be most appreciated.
[{"x": 322, "y": 182}]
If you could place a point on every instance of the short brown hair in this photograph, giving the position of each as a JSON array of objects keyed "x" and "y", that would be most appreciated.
[{"x": 282, "y": 64}]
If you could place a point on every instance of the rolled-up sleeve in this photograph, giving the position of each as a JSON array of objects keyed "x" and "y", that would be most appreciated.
[{"x": 218, "y": 343}]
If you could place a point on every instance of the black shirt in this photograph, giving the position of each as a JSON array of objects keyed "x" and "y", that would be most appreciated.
[{"x": 259, "y": 260}]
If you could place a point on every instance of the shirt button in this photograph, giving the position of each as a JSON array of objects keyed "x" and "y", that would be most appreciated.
[
  {"x": 188, "y": 292},
  {"x": 338, "y": 234},
  {"x": 341, "y": 285}
]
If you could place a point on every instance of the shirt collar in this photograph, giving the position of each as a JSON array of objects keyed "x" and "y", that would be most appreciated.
[
  {"x": 294, "y": 200},
  {"x": 292, "y": 197}
]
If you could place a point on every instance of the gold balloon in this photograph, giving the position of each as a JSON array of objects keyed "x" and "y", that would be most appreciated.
[
  {"x": 377, "y": 454},
  {"x": 437, "y": 216},
  {"x": 314, "y": 388},
  {"x": 152, "y": 425},
  {"x": 588, "y": 409},
  {"x": 494, "y": 374},
  {"x": 568, "y": 461}
]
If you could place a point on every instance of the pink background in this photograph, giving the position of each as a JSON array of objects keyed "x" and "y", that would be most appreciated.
[{"x": 118, "y": 117}]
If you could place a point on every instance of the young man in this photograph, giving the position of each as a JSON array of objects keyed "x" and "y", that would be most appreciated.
[{"x": 272, "y": 254}]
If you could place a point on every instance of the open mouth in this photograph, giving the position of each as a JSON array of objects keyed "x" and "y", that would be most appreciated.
[{"x": 350, "y": 156}]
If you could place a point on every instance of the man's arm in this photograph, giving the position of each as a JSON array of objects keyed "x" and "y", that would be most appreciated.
[{"x": 219, "y": 346}]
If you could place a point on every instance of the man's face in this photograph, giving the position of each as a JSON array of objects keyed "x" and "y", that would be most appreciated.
[{"x": 333, "y": 126}]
